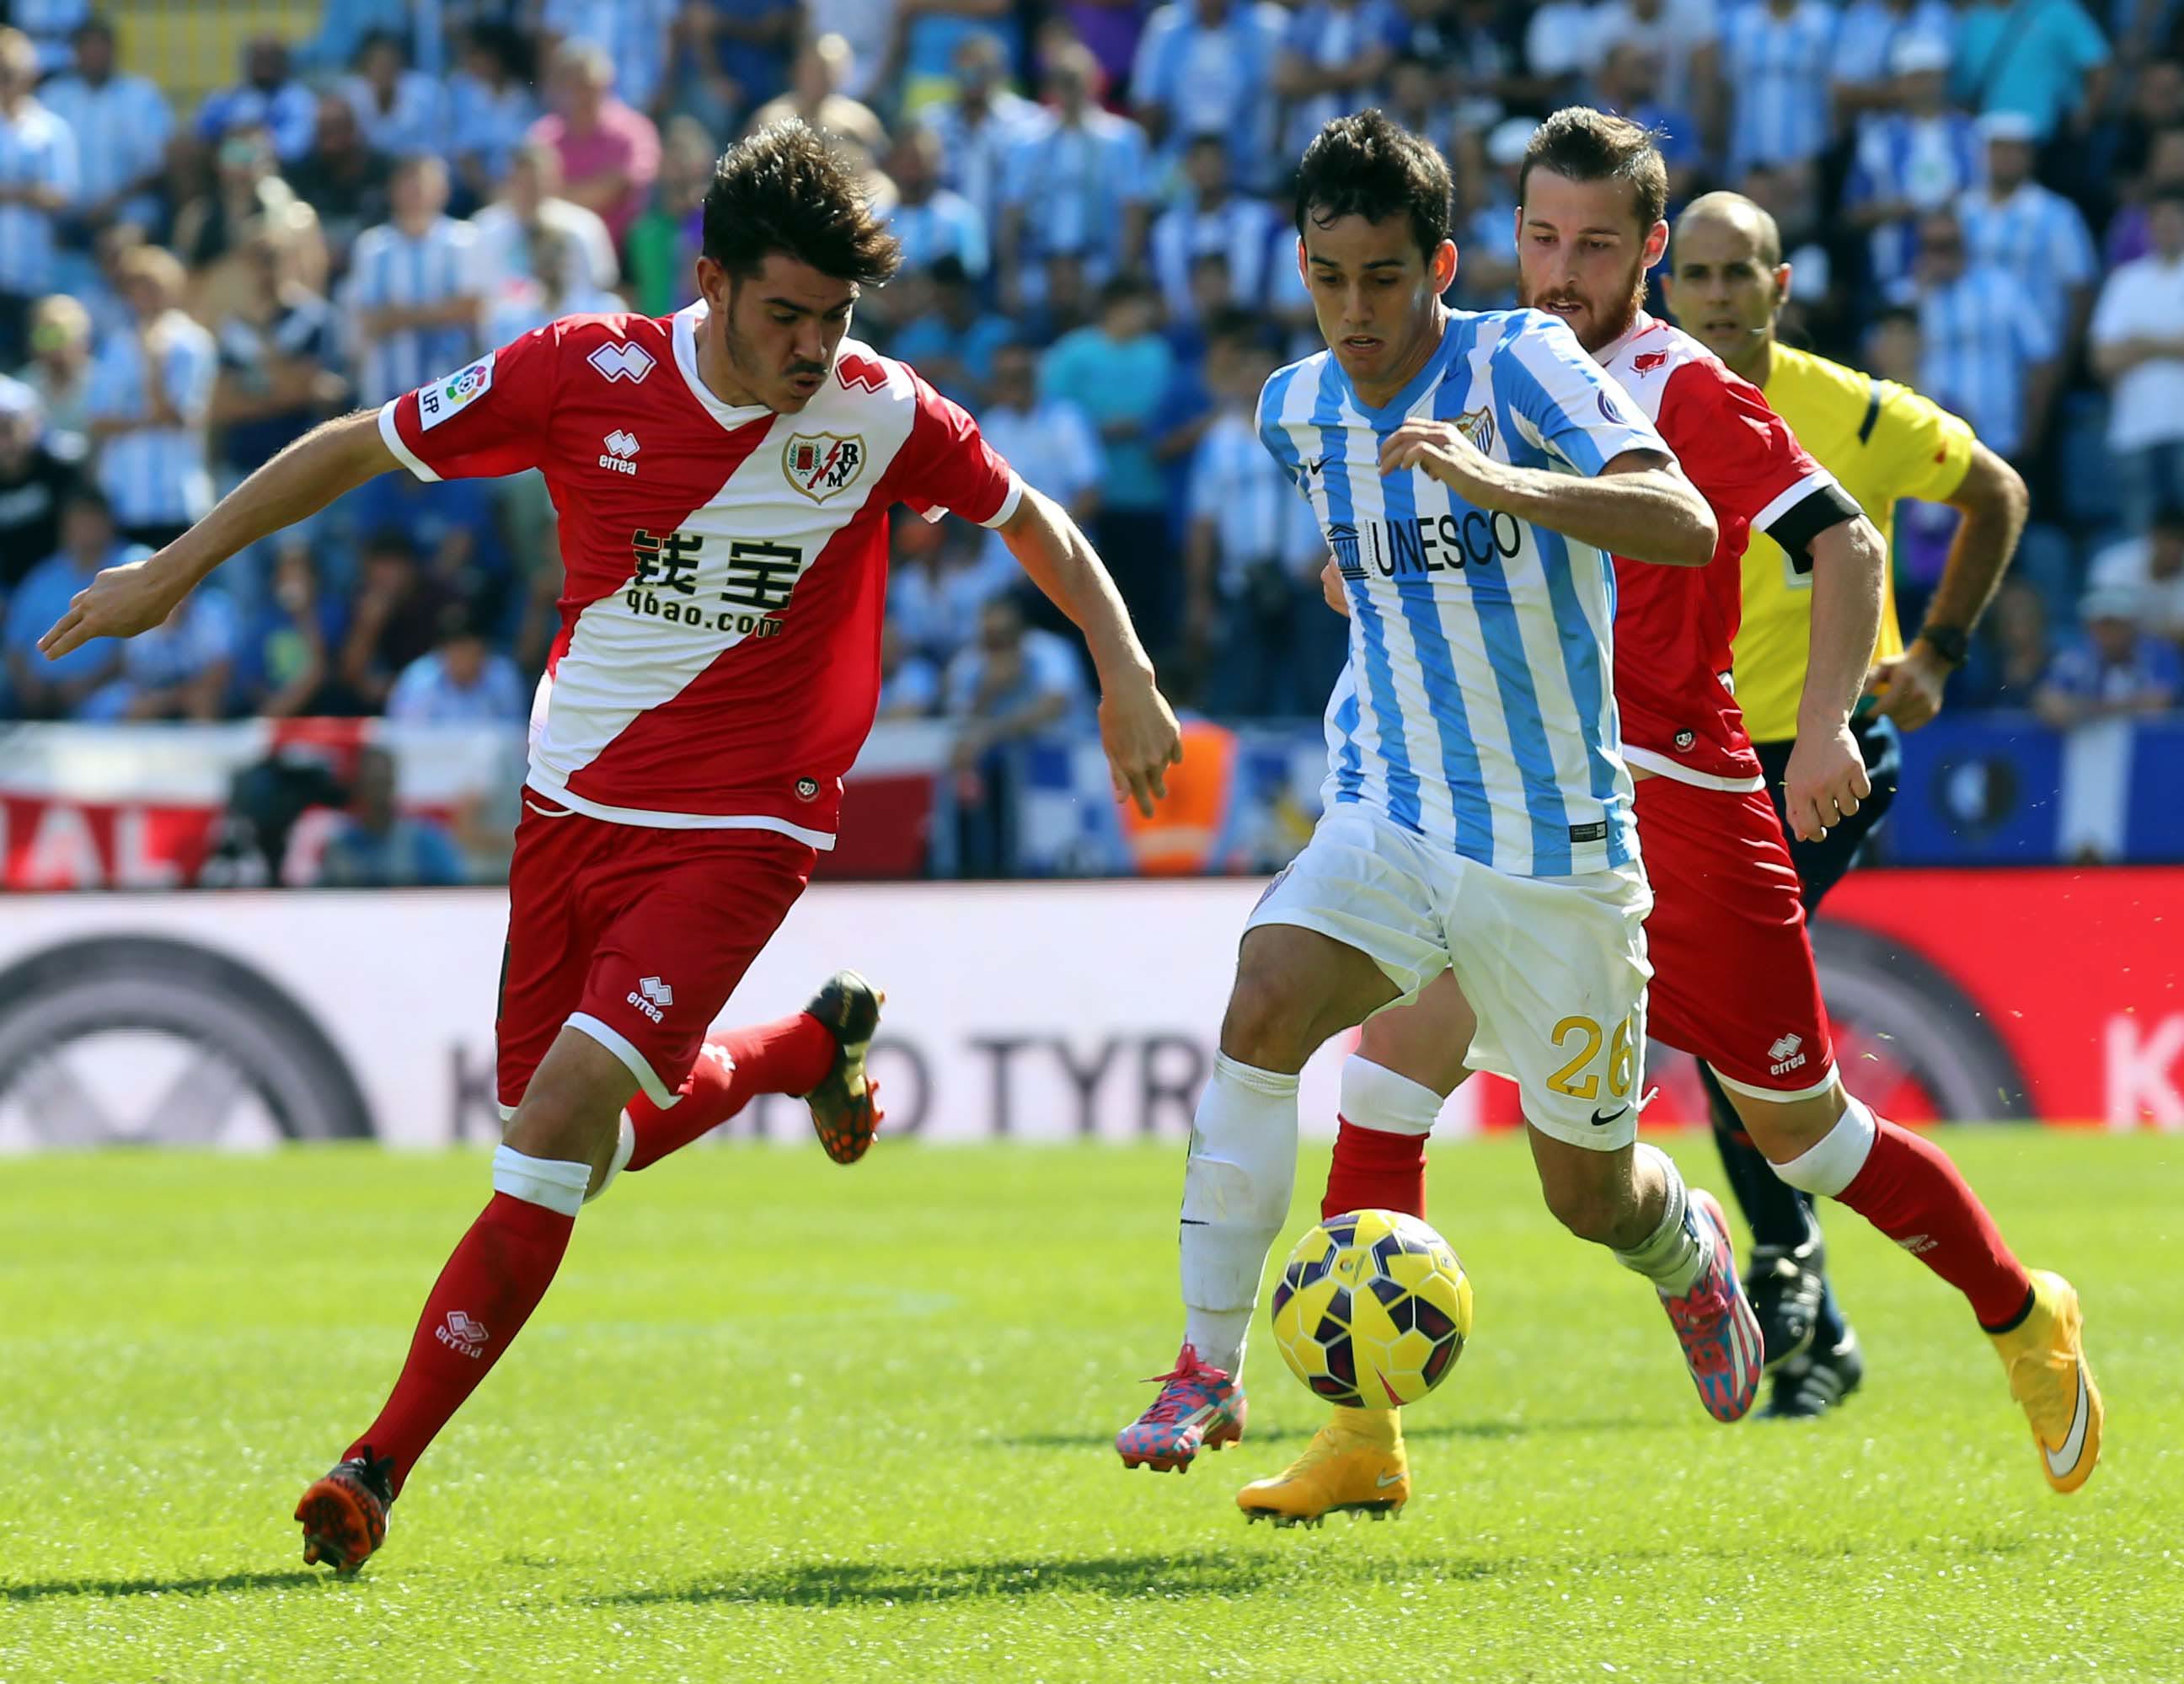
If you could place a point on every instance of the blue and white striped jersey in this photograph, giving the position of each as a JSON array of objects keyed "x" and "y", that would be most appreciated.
[
  {"x": 36, "y": 150},
  {"x": 2036, "y": 235},
  {"x": 387, "y": 266},
  {"x": 1478, "y": 708},
  {"x": 1774, "y": 66},
  {"x": 1983, "y": 335},
  {"x": 156, "y": 475},
  {"x": 121, "y": 128}
]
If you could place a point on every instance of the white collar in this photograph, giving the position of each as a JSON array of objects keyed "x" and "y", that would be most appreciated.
[{"x": 730, "y": 415}]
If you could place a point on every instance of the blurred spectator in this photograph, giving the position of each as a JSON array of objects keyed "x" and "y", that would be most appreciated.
[
  {"x": 1117, "y": 371},
  {"x": 861, "y": 30},
  {"x": 1629, "y": 81},
  {"x": 1334, "y": 59},
  {"x": 1078, "y": 188},
  {"x": 121, "y": 125},
  {"x": 940, "y": 583},
  {"x": 60, "y": 368},
  {"x": 342, "y": 179},
  {"x": 286, "y": 661},
  {"x": 751, "y": 42},
  {"x": 910, "y": 684},
  {"x": 397, "y": 617},
  {"x": 1206, "y": 67},
  {"x": 929, "y": 219},
  {"x": 1048, "y": 441},
  {"x": 280, "y": 357},
  {"x": 981, "y": 127},
  {"x": 38, "y": 176},
  {"x": 1486, "y": 237},
  {"x": 1254, "y": 607},
  {"x": 817, "y": 93},
  {"x": 551, "y": 284},
  {"x": 376, "y": 846},
  {"x": 247, "y": 189},
  {"x": 2151, "y": 568},
  {"x": 2031, "y": 232},
  {"x": 1871, "y": 33},
  {"x": 1558, "y": 46},
  {"x": 2011, "y": 654},
  {"x": 2157, "y": 109},
  {"x": 630, "y": 35},
  {"x": 151, "y": 391},
  {"x": 51, "y": 25},
  {"x": 493, "y": 105},
  {"x": 1680, "y": 35},
  {"x": 2046, "y": 58},
  {"x": 609, "y": 152},
  {"x": 415, "y": 290},
  {"x": 1773, "y": 53},
  {"x": 449, "y": 524},
  {"x": 56, "y": 690},
  {"x": 2138, "y": 349},
  {"x": 1212, "y": 218},
  {"x": 181, "y": 668},
  {"x": 1415, "y": 100},
  {"x": 663, "y": 243},
  {"x": 1990, "y": 355},
  {"x": 462, "y": 682},
  {"x": 530, "y": 199},
  {"x": 268, "y": 97},
  {"x": 953, "y": 345},
  {"x": 1912, "y": 155},
  {"x": 2115, "y": 668},
  {"x": 928, "y": 32},
  {"x": 344, "y": 26},
  {"x": 2131, "y": 234},
  {"x": 1014, "y": 683},
  {"x": 35, "y": 484},
  {"x": 400, "y": 110}
]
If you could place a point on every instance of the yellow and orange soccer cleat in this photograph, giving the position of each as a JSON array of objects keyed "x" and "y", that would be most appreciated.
[
  {"x": 845, "y": 1113},
  {"x": 1355, "y": 1465},
  {"x": 2051, "y": 1381},
  {"x": 344, "y": 1515}
]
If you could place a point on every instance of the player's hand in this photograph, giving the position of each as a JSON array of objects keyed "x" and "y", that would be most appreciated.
[
  {"x": 1138, "y": 729},
  {"x": 1907, "y": 687},
  {"x": 118, "y": 602},
  {"x": 1330, "y": 586},
  {"x": 1826, "y": 783},
  {"x": 1440, "y": 450}
]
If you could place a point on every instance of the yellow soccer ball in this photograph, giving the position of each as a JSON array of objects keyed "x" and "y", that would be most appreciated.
[{"x": 1373, "y": 1309}]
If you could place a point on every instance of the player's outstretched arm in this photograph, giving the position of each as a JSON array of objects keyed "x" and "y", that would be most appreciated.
[
  {"x": 1639, "y": 505},
  {"x": 1137, "y": 727},
  {"x": 319, "y": 468},
  {"x": 1826, "y": 779}
]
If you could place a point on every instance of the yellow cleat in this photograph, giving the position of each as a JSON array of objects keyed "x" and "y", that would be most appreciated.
[
  {"x": 1354, "y": 1464},
  {"x": 2051, "y": 1379}
]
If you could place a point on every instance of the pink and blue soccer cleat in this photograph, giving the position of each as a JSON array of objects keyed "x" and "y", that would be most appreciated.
[
  {"x": 1715, "y": 1322},
  {"x": 1200, "y": 1407}
]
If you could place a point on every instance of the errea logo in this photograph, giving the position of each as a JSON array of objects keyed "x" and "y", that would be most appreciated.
[
  {"x": 1787, "y": 1055},
  {"x": 462, "y": 1335},
  {"x": 652, "y": 997},
  {"x": 621, "y": 362},
  {"x": 621, "y": 446}
]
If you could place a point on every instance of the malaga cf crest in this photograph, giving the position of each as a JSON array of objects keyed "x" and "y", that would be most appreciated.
[
  {"x": 819, "y": 465},
  {"x": 1478, "y": 425}
]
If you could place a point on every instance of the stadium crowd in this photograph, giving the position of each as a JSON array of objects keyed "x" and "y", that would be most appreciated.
[{"x": 1983, "y": 200}]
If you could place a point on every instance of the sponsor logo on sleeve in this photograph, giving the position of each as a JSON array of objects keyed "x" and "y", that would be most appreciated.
[{"x": 443, "y": 399}]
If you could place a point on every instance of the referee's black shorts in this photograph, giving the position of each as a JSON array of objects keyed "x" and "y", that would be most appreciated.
[{"x": 1821, "y": 865}]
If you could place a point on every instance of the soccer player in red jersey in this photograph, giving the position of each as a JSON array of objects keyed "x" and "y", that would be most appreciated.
[
  {"x": 1734, "y": 981},
  {"x": 724, "y": 478}
]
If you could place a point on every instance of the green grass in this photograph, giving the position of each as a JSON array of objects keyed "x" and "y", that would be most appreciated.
[{"x": 778, "y": 1420}]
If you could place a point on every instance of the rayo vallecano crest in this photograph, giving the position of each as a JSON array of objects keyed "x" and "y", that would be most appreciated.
[
  {"x": 1478, "y": 425},
  {"x": 821, "y": 464}
]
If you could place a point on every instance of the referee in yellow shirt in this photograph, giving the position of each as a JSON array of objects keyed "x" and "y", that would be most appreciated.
[{"x": 1727, "y": 283}]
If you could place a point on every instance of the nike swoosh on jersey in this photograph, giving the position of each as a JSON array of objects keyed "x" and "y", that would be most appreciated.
[{"x": 2061, "y": 1461}]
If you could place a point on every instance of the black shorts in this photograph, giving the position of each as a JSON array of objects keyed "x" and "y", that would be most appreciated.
[{"x": 1821, "y": 865}]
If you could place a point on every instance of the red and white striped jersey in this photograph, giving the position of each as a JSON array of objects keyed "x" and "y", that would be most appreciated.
[
  {"x": 1674, "y": 626},
  {"x": 726, "y": 568}
]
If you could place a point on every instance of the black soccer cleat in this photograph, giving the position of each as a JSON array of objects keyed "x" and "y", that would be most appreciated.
[
  {"x": 844, "y": 1113},
  {"x": 1813, "y": 1383},
  {"x": 344, "y": 1515},
  {"x": 1786, "y": 1288}
]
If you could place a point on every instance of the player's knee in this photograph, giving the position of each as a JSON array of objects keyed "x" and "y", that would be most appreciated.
[
  {"x": 1594, "y": 1208},
  {"x": 1269, "y": 1019},
  {"x": 572, "y": 1105},
  {"x": 1786, "y": 1130}
]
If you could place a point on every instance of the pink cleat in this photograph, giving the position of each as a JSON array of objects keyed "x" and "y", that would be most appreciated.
[
  {"x": 1199, "y": 1408},
  {"x": 1715, "y": 1322}
]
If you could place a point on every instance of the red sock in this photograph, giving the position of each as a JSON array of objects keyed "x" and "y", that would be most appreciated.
[
  {"x": 1375, "y": 1169},
  {"x": 789, "y": 1057},
  {"x": 1911, "y": 1192},
  {"x": 483, "y": 1297}
]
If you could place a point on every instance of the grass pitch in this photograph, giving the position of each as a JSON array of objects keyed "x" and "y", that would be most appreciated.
[{"x": 778, "y": 1420}]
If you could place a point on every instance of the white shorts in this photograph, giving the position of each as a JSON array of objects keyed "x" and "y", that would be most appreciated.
[{"x": 1554, "y": 966}]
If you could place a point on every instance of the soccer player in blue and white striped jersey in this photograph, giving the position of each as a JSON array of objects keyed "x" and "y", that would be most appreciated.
[
  {"x": 1473, "y": 474},
  {"x": 415, "y": 285}
]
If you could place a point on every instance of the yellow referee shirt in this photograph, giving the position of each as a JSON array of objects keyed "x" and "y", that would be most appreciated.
[{"x": 1882, "y": 442}]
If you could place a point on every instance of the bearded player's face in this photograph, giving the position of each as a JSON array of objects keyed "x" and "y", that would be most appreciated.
[
  {"x": 1582, "y": 254},
  {"x": 779, "y": 328}
]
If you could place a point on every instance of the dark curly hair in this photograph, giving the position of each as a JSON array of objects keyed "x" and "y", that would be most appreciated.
[
  {"x": 784, "y": 190},
  {"x": 1367, "y": 165}
]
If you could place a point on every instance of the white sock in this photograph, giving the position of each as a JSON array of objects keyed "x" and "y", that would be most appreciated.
[
  {"x": 624, "y": 1149},
  {"x": 1375, "y": 1097},
  {"x": 1679, "y": 1251},
  {"x": 552, "y": 1182},
  {"x": 1236, "y": 1192}
]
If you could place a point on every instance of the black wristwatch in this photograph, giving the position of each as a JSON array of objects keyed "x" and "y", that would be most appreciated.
[{"x": 1949, "y": 642}]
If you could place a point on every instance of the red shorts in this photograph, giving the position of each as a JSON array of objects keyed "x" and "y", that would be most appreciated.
[
  {"x": 633, "y": 935},
  {"x": 1734, "y": 982}
]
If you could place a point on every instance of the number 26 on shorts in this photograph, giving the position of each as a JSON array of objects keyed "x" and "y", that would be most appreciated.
[{"x": 1579, "y": 1077}]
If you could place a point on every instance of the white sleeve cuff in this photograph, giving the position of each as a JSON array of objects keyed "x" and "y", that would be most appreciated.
[{"x": 402, "y": 454}]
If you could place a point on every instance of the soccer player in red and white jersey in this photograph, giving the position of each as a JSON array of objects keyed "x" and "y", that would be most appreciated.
[
  {"x": 1734, "y": 981},
  {"x": 723, "y": 477}
]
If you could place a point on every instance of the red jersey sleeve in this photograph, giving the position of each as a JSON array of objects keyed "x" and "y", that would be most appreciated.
[
  {"x": 946, "y": 465},
  {"x": 487, "y": 419},
  {"x": 1745, "y": 461}
]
